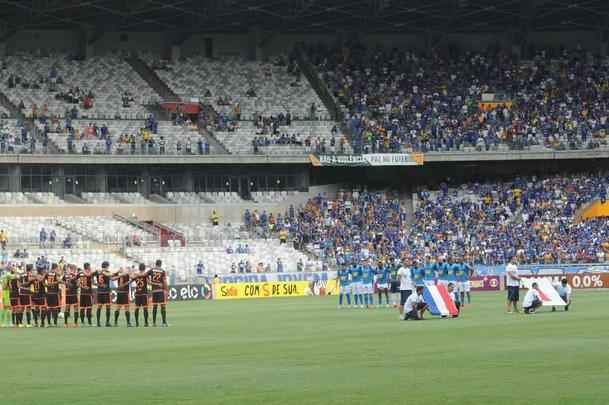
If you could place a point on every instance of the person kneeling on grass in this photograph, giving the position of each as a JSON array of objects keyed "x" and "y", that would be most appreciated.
[
  {"x": 531, "y": 300},
  {"x": 455, "y": 297},
  {"x": 564, "y": 290},
  {"x": 414, "y": 307}
]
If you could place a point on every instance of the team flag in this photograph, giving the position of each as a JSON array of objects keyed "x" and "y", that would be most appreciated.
[
  {"x": 439, "y": 302},
  {"x": 547, "y": 293}
]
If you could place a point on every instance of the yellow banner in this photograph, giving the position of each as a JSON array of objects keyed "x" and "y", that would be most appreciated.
[{"x": 232, "y": 291}]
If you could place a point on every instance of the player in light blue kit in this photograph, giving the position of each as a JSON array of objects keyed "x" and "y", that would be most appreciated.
[
  {"x": 443, "y": 270},
  {"x": 383, "y": 279},
  {"x": 367, "y": 283},
  {"x": 430, "y": 272},
  {"x": 356, "y": 284},
  {"x": 344, "y": 279},
  {"x": 418, "y": 274},
  {"x": 463, "y": 278}
]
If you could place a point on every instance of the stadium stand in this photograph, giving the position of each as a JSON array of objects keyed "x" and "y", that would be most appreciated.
[
  {"x": 261, "y": 256},
  {"x": 126, "y": 137},
  {"x": 267, "y": 88},
  {"x": 404, "y": 100},
  {"x": 532, "y": 217},
  {"x": 102, "y": 87}
]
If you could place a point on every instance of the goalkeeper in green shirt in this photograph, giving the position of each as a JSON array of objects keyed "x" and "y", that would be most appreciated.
[{"x": 5, "y": 309}]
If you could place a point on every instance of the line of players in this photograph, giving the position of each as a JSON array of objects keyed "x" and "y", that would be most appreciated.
[
  {"x": 37, "y": 295},
  {"x": 360, "y": 280}
]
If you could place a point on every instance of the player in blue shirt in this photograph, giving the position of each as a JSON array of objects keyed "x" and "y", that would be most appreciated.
[
  {"x": 356, "y": 284},
  {"x": 367, "y": 283},
  {"x": 344, "y": 279},
  {"x": 383, "y": 278},
  {"x": 464, "y": 283},
  {"x": 430, "y": 273},
  {"x": 443, "y": 270},
  {"x": 418, "y": 274}
]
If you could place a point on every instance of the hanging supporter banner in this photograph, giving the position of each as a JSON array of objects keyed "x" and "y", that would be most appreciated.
[
  {"x": 485, "y": 283},
  {"x": 491, "y": 105},
  {"x": 370, "y": 159},
  {"x": 271, "y": 277},
  {"x": 261, "y": 290}
]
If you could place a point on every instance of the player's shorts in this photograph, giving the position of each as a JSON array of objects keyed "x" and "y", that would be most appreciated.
[
  {"x": 464, "y": 286},
  {"x": 14, "y": 301},
  {"x": 429, "y": 282},
  {"x": 52, "y": 300},
  {"x": 158, "y": 297},
  {"x": 86, "y": 300},
  {"x": 357, "y": 288},
  {"x": 382, "y": 286},
  {"x": 404, "y": 294},
  {"x": 25, "y": 300},
  {"x": 346, "y": 288},
  {"x": 367, "y": 288},
  {"x": 395, "y": 287},
  {"x": 443, "y": 282},
  {"x": 122, "y": 298},
  {"x": 71, "y": 300},
  {"x": 103, "y": 298},
  {"x": 141, "y": 300},
  {"x": 513, "y": 293},
  {"x": 39, "y": 301}
]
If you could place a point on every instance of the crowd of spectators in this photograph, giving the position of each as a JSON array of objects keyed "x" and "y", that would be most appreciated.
[
  {"x": 535, "y": 218},
  {"x": 409, "y": 101},
  {"x": 99, "y": 139}
]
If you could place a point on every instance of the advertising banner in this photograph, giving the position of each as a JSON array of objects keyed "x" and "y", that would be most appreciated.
[
  {"x": 485, "y": 283},
  {"x": 272, "y": 277},
  {"x": 224, "y": 291},
  {"x": 576, "y": 280},
  {"x": 370, "y": 159},
  {"x": 179, "y": 292}
]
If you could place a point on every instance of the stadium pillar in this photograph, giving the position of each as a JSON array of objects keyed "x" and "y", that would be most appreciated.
[
  {"x": 101, "y": 180},
  {"x": 58, "y": 183},
  {"x": 14, "y": 179},
  {"x": 175, "y": 53}
]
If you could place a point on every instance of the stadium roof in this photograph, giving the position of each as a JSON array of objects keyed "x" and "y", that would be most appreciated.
[{"x": 399, "y": 16}]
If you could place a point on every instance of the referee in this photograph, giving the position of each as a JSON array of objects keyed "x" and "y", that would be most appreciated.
[{"x": 513, "y": 285}]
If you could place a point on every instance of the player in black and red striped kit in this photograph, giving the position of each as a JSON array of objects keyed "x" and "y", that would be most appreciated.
[
  {"x": 141, "y": 279},
  {"x": 39, "y": 302},
  {"x": 70, "y": 280},
  {"x": 102, "y": 279},
  {"x": 25, "y": 295},
  {"x": 158, "y": 281},
  {"x": 51, "y": 281},
  {"x": 85, "y": 282},
  {"x": 122, "y": 296}
]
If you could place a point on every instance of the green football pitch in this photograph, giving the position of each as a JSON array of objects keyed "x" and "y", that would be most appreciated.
[{"x": 306, "y": 351}]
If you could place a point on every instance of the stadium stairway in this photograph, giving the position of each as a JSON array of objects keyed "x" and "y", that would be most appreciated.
[
  {"x": 166, "y": 233},
  {"x": 310, "y": 72},
  {"x": 142, "y": 225},
  {"x": 153, "y": 80}
]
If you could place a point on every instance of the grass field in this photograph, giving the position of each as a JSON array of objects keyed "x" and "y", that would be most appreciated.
[{"x": 306, "y": 351}]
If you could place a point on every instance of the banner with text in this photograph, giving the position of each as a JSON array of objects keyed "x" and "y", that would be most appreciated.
[
  {"x": 577, "y": 280},
  {"x": 223, "y": 291},
  {"x": 272, "y": 277},
  {"x": 370, "y": 159},
  {"x": 485, "y": 283}
]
